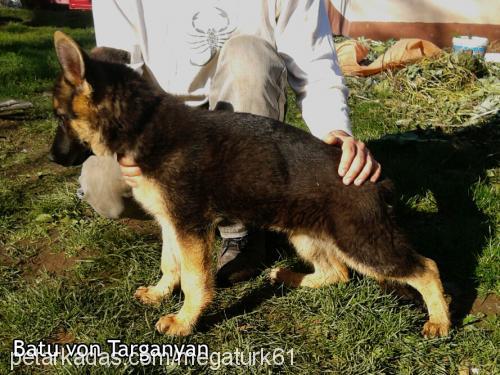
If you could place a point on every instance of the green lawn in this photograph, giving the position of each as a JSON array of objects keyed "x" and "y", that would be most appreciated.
[{"x": 68, "y": 276}]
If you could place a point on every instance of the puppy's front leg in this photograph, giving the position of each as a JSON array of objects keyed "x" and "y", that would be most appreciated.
[
  {"x": 170, "y": 268},
  {"x": 196, "y": 284}
]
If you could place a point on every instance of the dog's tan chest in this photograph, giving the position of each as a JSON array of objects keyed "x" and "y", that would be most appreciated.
[{"x": 149, "y": 195}]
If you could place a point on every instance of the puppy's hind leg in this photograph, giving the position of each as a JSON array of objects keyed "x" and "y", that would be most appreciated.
[
  {"x": 328, "y": 269},
  {"x": 388, "y": 256},
  {"x": 170, "y": 268},
  {"x": 428, "y": 284},
  {"x": 196, "y": 283}
]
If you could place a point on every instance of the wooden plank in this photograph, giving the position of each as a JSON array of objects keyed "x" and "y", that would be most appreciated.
[{"x": 11, "y": 106}]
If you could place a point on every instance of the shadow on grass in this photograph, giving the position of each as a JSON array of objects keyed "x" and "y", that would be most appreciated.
[
  {"x": 61, "y": 18},
  {"x": 277, "y": 247},
  {"x": 444, "y": 168},
  {"x": 6, "y": 19},
  {"x": 245, "y": 305}
]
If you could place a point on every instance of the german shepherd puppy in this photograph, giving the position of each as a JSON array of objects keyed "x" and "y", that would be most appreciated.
[{"x": 201, "y": 167}]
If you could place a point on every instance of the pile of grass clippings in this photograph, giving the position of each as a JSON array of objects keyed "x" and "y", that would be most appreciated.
[
  {"x": 451, "y": 90},
  {"x": 376, "y": 48}
]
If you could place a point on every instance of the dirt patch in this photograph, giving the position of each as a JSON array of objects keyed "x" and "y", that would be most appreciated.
[
  {"x": 489, "y": 305},
  {"x": 5, "y": 260},
  {"x": 45, "y": 260},
  {"x": 61, "y": 336},
  {"x": 6, "y": 125},
  {"x": 54, "y": 263},
  {"x": 143, "y": 227}
]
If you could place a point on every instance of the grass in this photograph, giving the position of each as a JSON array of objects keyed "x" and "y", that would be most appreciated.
[{"x": 67, "y": 275}]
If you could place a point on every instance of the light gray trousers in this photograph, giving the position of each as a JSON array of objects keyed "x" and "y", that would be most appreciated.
[{"x": 250, "y": 76}]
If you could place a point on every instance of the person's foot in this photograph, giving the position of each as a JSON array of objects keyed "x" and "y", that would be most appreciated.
[{"x": 240, "y": 258}]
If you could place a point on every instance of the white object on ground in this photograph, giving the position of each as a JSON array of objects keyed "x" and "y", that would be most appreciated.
[
  {"x": 492, "y": 57},
  {"x": 476, "y": 44}
]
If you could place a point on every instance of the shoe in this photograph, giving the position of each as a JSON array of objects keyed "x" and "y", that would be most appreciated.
[{"x": 240, "y": 258}]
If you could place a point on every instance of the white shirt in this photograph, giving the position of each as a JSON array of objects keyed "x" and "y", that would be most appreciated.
[{"x": 179, "y": 42}]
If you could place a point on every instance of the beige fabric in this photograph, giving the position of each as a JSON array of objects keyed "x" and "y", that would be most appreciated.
[
  {"x": 250, "y": 76},
  {"x": 180, "y": 41},
  {"x": 405, "y": 51}
]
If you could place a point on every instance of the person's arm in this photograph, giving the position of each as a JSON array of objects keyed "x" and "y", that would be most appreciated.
[
  {"x": 304, "y": 40},
  {"x": 114, "y": 27}
]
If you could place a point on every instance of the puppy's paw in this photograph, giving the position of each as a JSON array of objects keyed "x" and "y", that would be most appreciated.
[
  {"x": 148, "y": 295},
  {"x": 274, "y": 275},
  {"x": 285, "y": 276},
  {"x": 172, "y": 325},
  {"x": 435, "y": 329}
]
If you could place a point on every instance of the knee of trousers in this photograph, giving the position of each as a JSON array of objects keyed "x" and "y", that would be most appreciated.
[{"x": 252, "y": 62}]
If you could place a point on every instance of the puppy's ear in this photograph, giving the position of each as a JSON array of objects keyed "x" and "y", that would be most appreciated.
[{"x": 70, "y": 57}]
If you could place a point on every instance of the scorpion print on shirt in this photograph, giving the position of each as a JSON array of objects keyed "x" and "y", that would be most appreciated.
[{"x": 211, "y": 28}]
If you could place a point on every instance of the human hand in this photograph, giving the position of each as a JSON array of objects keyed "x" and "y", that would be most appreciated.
[
  {"x": 130, "y": 171},
  {"x": 357, "y": 163}
]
